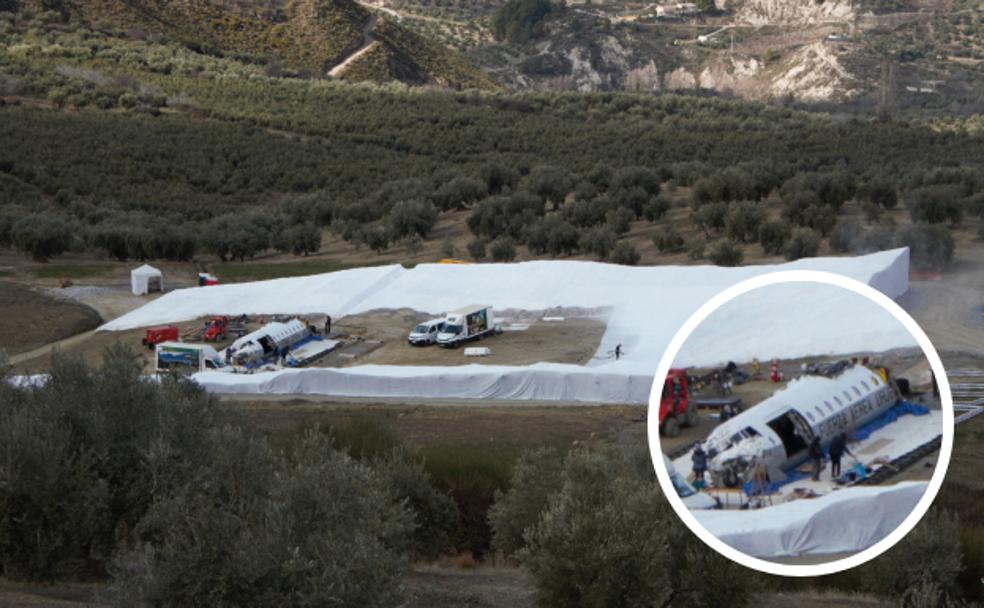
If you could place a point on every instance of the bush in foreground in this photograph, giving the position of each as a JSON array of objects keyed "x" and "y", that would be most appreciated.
[
  {"x": 595, "y": 531},
  {"x": 103, "y": 470}
]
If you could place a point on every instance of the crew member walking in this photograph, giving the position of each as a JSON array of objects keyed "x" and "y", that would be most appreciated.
[
  {"x": 618, "y": 352},
  {"x": 838, "y": 446},
  {"x": 816, "y": 455}
]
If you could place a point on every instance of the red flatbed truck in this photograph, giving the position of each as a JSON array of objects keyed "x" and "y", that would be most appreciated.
[
  {"x": 162, "y": 333},
  {"x": 676, "y": 409}
]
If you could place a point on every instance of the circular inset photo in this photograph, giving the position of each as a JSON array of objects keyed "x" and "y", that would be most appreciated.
[{"x": 800, "y": 423}]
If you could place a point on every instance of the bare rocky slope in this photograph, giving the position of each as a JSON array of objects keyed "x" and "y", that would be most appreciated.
[{"x": 805, "y": 50}]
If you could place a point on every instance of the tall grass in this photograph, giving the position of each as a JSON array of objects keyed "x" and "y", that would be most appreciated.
[{"x": 470, "y": 474}]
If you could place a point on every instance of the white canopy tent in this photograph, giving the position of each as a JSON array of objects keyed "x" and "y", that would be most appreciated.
[{"x": 146, "y": 279}]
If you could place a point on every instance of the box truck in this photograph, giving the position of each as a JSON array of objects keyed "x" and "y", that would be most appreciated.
[
  {"x": 470, "y": 323},
  {"x": 184, "y": 358}
]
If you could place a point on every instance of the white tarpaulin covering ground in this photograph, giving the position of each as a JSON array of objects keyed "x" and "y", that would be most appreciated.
[
  {"x": 844, "y": 521},
  {"x": 646, "y": 306}
]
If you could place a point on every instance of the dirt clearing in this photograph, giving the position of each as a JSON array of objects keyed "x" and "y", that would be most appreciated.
[
  {"x": 30, "y": 318},
  {"x": 572, "y": 340}
]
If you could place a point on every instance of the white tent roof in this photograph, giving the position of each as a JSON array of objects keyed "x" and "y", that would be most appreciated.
[{"x": 145, "y": 271}]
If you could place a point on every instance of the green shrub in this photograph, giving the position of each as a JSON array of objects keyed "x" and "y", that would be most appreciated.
[
  {"x": 315, "y": 529},
  {"x": 710, "y": 218},
  {"x": 434, "y": 513},
  {"x": 300, "y": 239},
  {"x": 804, "y": 243},
  {"x": 931, "y": 246},
  {"x": 695, "y": 251},
  {"x": 878, "y": 238},
  {"x": 743, "y": 220},
  {"x": 476, "y": 249},
  {"x": 936, "y": 204},
  {"x": 503, "y": 249},
  {"x": 42, "y": 236},
  {"x": 535, "y": 477},
  {"x": 624, "y": 253},
  {"x": 669, "y": 240},
  {"x": 411, "y": 217},
  {"x": 880, "y": 191},
  {"x": 656, "y": 208},
  {"x": 603, "y": 539},
  {"x": 619, "y": 220},
  {"x": 85, "y": 456},
  {"x": 931, "y": 550},
  {"x": 459, "y": 193},
  {"x": 377, "y": 238},
  {"x": 607, "y": 537},
  {"x": 845, "y": 235},
  {"x": 548, "y": 182},
  {"x": 598, "y": 241},
  {"x": 447, "y": 248},
  {"x": 726, "y": 253},
  {"x": 519, "y": 21},
  {"x": 773, "y": 236}
]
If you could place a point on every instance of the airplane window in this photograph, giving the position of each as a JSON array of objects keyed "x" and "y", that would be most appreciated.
[
  {"x": 829, "y": 407},
  {"x": 819, "y": 412},
  {"x": 838, "y": 400},
  {"x": 866, "y": 386},
  {"x": 847, "y": 396},
  {"x": 809, "y": 415},
  {"x": 857, "y": 390},
  {"x": 874, "y": 379}
]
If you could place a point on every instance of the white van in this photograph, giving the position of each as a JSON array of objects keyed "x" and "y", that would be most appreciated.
[{"x": 425, "y": 333}]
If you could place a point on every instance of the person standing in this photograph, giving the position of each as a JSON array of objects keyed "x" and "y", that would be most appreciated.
[
  {"x": 838, "y": 447},
  {"x": 816, "y": 455},
  {"x": 327, "y": 325},
  {"x": 699, "y": 460},
  {"x": 618, "y": 352}
]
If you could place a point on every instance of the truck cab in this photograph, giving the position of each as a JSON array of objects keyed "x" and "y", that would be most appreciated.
[
  {"x": 215, "y": 328},
  {"x": 426, "y": 333},
  {"x": 676, "y": 409}
]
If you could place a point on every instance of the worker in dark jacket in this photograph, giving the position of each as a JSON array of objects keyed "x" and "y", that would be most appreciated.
[
  {"x": 816, "y": 455},
  {"x": 838, "y": 446},
  {"x": 327, "y": 325},
  {"x": 699, "y": 459}
]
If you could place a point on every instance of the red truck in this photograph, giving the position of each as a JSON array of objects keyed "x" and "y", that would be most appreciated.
[
  {"x": 162, "y": 333},
  {"x": 216, "y": 328},
  {"x": 676, "y": 409}
]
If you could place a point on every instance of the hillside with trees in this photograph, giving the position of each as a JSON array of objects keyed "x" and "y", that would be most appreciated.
[
  {"x": 107, "y": 150},
  {"x": 306, "y": 38}
]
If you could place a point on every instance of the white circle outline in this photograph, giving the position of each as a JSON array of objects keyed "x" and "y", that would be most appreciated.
[{"x": 800, "y": 276}]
